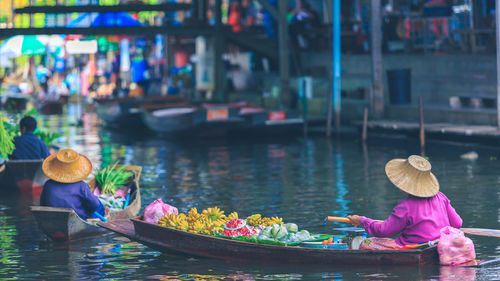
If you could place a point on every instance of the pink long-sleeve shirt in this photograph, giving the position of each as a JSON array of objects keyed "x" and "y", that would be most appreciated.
[{"x": 417, "y": 219}]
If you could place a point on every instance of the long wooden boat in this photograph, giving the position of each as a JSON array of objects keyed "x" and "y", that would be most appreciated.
[
  {"x": 51, "y": 107},
  {"x": 171, "y": 240},
  {"x": 126, "y": 112},
  {"x": 16, "y": 103},
  {"x": 24, "y": 176},
  {"x": 172, "y": 121},
  {"x": 117, "y": 113},
  {"x": 63, "y": 224}
]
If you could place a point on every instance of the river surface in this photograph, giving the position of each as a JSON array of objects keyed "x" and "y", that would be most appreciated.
[{"x": 301, "y": 180}]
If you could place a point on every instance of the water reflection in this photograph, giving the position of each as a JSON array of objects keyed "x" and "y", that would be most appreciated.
[{"x": 301, "y": 180}]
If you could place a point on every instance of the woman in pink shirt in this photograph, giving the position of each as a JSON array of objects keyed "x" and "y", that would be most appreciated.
[{"x": 419, "y": 217}]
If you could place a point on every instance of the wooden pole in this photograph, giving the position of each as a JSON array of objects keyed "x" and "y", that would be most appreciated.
[
  {"x": 334, "y": 101},
  {"x": 365, "y": 125},
  {"x": 376, "y": 52},
  {"x": 497, "y": 24},
  {"x": 421, "y": 115},
  {"x": 336, "y": 87},
  {"x": 218, "y": 46},
  {"x": 284, "y": 54}
]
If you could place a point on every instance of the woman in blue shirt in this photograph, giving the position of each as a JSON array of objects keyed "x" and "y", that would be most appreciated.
[{"x": 66, "y": 189}]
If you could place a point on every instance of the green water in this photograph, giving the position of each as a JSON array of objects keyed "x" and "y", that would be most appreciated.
[{"x": 301, "y": 180}]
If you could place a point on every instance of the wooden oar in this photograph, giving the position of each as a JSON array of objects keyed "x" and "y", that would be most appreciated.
[
  {"x": 471, "y": 231},
  {"x": 482, "y": 232}
]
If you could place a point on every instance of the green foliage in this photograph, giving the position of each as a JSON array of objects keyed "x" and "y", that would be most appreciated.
[
  {"x": 47, "y": 137},
  {"x": 6, "y": 144},
  {"x": 12, "y": 127},
  {"x": 110, "y": 179}
]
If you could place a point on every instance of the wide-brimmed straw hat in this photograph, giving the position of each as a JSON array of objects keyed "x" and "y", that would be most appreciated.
[
  {"x": 67, "y": 166},
  {"x": 413, "y": 176}
]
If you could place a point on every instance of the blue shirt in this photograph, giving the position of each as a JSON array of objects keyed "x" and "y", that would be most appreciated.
[
  {"x": 29, "y": 147},
  {"x": 76, "y": 196}
]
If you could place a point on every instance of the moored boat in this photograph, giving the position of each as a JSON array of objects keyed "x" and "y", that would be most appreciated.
[
  {"x": 126, "y": 112},
  {"x": 64, "y": 224},
  {"x": 51, "y": 107},
  {"x": 25, "y": 176},
  {"x": 172, "y": 121},
  {"x": 172, "y": 240}
]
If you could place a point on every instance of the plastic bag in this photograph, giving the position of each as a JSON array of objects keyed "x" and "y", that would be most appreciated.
[
  {"x": 156, "y": 210},
  {"x": 454, "y": 248}
]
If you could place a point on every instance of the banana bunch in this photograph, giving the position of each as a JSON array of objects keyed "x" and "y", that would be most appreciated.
[
  {"x": 254, "y": 220},
  {"x": 271, "y": 221},
  {"x": 175, "y": 221},
  {"x": 232, "y": 216},
  {"x": 212, "y": 227},
  {"x": 193, "y": 215},
  {"x": 257, "y": 219},
  {"x": 213, "y": 213}
]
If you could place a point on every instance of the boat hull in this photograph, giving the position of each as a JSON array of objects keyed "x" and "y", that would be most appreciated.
[
  {"x": 24, "y": 176},
  {"x": 171, "y": 240},
  {"x": 63, "y": 224},
  {"x": 119, "y": 114},
  {"x": 174, "y": 124},
  {"x": 51, "y": 108}
]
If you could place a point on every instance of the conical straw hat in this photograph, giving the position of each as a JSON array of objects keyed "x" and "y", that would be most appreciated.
[
  {"x": 413, "y": 176},
  {"x": 67, "y": 166}
]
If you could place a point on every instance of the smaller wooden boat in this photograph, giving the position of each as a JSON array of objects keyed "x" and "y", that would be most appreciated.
[
  {"x": 24, "y": 176},
  {"x": 62, "y": 224},
  {"x": 51, "y": 108},
  {"x": 126, "y": 112},
  {"x": 191, "y": 244},
  {"x": 16, "y": 103},
  {"x": 173, "y": 121}
]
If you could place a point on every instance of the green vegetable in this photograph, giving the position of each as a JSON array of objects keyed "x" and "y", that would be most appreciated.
[
  {"x": 291, "y": 227},
  {"x": 303, "y": 235},
  {"x": 275, "y": 229},
  {"x": 282, "y": 233},
  {"x": 110, "y": 179},
  {"x": 46, "y": 137},
  {"x": 6, "y": 144}
]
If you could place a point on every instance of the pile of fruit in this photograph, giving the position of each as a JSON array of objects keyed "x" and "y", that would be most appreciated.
[
  {"x": 238, "y": 227},
  {"x": 211, "y": 221}
]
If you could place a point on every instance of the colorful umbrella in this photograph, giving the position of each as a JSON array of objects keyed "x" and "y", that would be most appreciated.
[{"x": 29, "y": 45}]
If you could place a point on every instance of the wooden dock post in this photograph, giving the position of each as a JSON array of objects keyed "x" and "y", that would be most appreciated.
[
  {"x": 365, "y": 124},
  {"x": 497, "y": 25},
  {"x": 335, "y": 98},
  {"x": 376, "y": 51},
  {"x": 422, "y": 131}
]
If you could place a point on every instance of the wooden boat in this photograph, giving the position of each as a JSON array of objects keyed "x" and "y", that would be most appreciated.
[
  {"x": 171, "y": 240},
  {"x": 51, "y": 108},
  {"x": 24, "y": 176},
  {"x": 126, "y": 112},
  {"x": 16, "y": 103},
  {"x": 117, "y": 113},
  {"x": 172, "y": 121},
  {"x": 62, "y": 224}
]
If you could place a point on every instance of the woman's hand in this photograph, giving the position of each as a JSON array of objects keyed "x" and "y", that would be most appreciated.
[
  {"x": 355, "y": 220},
  {"x": 107, "y": 211}
]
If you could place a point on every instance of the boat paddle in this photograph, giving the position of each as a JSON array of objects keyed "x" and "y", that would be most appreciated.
[
  {"x": 471, "y": 231},
  {"x": 100, "y": 216}
]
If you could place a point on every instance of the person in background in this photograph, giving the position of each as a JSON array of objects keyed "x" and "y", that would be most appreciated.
[
  {"x": 418, "y": 218},
  {"x": 66, "y": 170},
  {"x": 28, "y": 146},
  {"x": 235, "y": 16}
]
